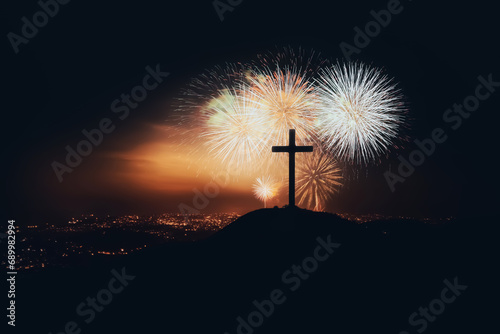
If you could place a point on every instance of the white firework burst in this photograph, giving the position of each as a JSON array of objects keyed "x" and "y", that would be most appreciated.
[
  {"x": 265, "y": 188},
  {"x": 234, "y": 129},
  {"x": 359, "y": 111}
]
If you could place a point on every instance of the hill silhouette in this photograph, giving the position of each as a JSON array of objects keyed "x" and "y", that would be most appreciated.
[{"x": 371, "y": 278}]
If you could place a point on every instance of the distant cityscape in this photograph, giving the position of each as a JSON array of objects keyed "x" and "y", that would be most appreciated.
[
  {"x": 365, "y": 218},
  {"x": 82, "y": 238},
  {"x": 73, "y": 243}
]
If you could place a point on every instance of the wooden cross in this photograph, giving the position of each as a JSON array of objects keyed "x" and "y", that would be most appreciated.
[{"x": 291, "y": 149}]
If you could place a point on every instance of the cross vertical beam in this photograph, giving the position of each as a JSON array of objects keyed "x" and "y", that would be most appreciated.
[
  {"x": 291, "y": 168},
  {"x": 291, "y": 149}
]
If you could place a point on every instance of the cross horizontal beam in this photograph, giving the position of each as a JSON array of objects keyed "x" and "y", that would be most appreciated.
[{"x": 293, "y": 149}]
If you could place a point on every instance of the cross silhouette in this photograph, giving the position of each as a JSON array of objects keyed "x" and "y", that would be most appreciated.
[{"x": 291, "y": 149}]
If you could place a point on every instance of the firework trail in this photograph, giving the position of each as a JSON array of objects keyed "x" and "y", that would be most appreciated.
[{"x": 359, "y": 112}]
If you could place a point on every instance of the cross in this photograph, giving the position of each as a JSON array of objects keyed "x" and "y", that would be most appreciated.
[{"x": 291, "y": 149}]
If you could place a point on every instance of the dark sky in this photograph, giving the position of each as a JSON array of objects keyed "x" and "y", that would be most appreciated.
[{"x": 64, "y": 79}]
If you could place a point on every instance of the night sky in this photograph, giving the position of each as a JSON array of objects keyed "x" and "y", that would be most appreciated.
[{"x": 66, "y": 77}]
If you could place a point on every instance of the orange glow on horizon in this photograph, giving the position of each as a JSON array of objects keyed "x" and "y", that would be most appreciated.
[{"x": 166, "y": 165}]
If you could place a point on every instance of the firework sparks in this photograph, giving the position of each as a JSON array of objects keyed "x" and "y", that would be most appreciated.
[
  {"x": 209, "y": 85},
  {"x": 352, "y": 113},
  {"x": 359, "y": 111},
  {"x": 284, "y": 97},
  {"x": 318, "y": 178},
  {"x": 265, "y": 188},
  {"x": 234, "y": 129}
]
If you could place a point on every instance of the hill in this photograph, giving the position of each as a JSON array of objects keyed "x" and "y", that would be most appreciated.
[{"x": 280, "y": 271}]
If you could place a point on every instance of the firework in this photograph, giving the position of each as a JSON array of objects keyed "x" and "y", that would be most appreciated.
[
  {"x": 265, "y": 188},
  {"x": 284, "y": 98},
  {"x": 359, "y": 113},
  {"x": 318, "y": 178},
  {"x": 234, "y": 130},
  {"x": 196, "y": 106}
]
